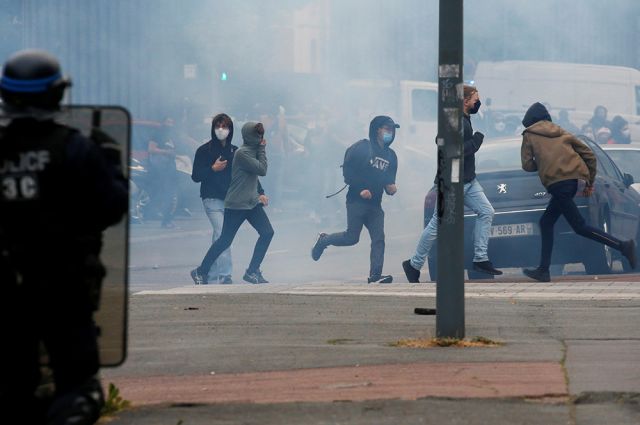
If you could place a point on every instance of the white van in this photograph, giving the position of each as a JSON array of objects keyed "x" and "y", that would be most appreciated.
[{"x": 512, "y": 86}]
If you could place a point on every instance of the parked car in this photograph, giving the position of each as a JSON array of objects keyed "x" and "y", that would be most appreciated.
[
  {"x": 519, "y": 200},
  {"x": 627, "y": 158}
]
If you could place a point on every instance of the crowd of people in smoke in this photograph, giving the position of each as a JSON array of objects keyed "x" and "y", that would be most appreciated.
[
  {"x": 604, "y": 131},
  {"x": 306, "y": 149},
  {"x": 309, "y": 142},
  {"x": 598, "y": 128}
]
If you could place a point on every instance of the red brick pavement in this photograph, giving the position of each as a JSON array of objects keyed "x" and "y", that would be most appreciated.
[{"x": 394, "y": 381}]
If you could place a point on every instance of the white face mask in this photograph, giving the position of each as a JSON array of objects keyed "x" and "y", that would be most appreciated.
[
  {"x": 625, "y": 132},
  {"x": 222, "y": 133}
]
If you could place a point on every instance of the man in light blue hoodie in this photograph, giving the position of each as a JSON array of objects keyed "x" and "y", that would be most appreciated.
[{"x": 243, "y": 202}]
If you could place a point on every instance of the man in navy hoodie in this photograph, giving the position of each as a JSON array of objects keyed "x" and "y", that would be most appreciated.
[
  {"x": 369, "y": 168},
  {"x": 212, "y": 169}
]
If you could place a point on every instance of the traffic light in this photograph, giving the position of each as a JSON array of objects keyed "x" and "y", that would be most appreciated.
[{"x": 223, "y": 76}]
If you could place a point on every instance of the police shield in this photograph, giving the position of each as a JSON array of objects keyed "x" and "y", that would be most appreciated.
[{"x": 96, "y": 122}]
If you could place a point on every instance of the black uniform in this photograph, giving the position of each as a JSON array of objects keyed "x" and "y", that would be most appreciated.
[{"x": 58, "y": 194}]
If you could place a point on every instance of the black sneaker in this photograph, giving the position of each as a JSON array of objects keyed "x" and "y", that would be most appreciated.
[
  {"x": 261, "y": 278},
  {"x": 254, "y": 277},
  {"x": 380, "y": 279},
  {"x": 225, "y": 280},
  {"x": 538, "y": 274},
  {"x": 198, "y": 279},
  {"x": 413, "y": 275},
  {"x": 319, "y": 247},
  {"x": 486, "y": 267},
  {"x": 628, "y": 249}
]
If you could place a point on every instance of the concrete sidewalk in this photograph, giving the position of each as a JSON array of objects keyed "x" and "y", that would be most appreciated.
[{"x": 322, "y": 354}]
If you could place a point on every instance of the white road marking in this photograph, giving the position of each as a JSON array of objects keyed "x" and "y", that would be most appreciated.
[{"x": 564, "y": 290}]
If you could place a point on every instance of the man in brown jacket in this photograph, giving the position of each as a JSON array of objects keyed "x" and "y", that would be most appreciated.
[{"x": 561, "y": 160}]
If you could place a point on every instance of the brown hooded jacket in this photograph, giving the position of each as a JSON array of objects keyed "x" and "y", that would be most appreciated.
[{"x": 556, "y": 154}]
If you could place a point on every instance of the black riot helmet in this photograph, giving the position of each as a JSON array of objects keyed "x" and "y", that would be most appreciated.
[{"x": 32, "y": 79}]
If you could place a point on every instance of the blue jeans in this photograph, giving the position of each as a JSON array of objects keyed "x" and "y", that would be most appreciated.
[
  {"x": 215, "y": 212},
  {"x": 474, "y": 199}
]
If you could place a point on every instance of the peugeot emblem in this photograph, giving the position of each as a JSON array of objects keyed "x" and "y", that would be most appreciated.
[{"x": 502, "y": 188}]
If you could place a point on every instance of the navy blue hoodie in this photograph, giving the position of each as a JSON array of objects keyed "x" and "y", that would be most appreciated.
[
  {"x": 369, "y": 166},
  {"x": 214, "y": 184}
]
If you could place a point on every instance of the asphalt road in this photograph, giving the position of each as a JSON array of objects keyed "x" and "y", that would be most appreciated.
[
  {"x": 162, "y": 258},
  {"x": 314, "y": 346},
  {"x": 265, "y": 358}
]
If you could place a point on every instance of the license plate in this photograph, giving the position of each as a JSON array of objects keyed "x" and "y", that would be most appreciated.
[{"x": 510, "y": 230}]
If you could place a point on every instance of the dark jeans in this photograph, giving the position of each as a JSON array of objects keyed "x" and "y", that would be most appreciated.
[
  {"x": 372, "y": 217},
  {"x": 233, "y": 219},
  {"x": 561, "y": 203}
]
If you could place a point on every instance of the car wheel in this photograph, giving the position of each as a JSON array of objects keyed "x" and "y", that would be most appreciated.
[{"x": 600, "y": 258}]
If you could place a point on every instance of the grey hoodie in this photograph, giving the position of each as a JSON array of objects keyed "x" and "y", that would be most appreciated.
[{"x": 249, "y": 162}]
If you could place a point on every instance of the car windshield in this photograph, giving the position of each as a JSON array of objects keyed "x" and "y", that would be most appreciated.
[
  {"x": 499, "y": 155},
  {"x": 627, "y": 160}
]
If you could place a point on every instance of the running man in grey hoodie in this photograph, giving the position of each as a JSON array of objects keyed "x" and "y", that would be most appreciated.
[{"x": 243, "y": 202}]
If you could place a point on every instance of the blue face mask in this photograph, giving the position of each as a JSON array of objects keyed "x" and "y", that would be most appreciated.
[{"x": 387, "y": 138}]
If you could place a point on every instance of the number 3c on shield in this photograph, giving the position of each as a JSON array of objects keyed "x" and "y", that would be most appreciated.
[{"x": 19, "y": 188}]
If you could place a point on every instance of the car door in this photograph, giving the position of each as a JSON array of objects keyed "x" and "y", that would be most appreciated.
[{"x": 622, "y": 199}]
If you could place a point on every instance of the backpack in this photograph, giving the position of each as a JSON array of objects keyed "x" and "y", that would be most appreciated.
[{"x": 347, "y": 153}]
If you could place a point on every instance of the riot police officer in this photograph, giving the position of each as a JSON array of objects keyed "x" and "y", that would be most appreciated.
[{"x": 58, "y": 193}]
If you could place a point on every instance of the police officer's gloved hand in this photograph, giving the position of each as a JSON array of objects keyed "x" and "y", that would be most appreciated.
[{"x": 478, "y": 137}]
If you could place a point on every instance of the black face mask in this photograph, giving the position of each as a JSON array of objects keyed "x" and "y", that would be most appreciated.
[{"x": 476, "y": 107}]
